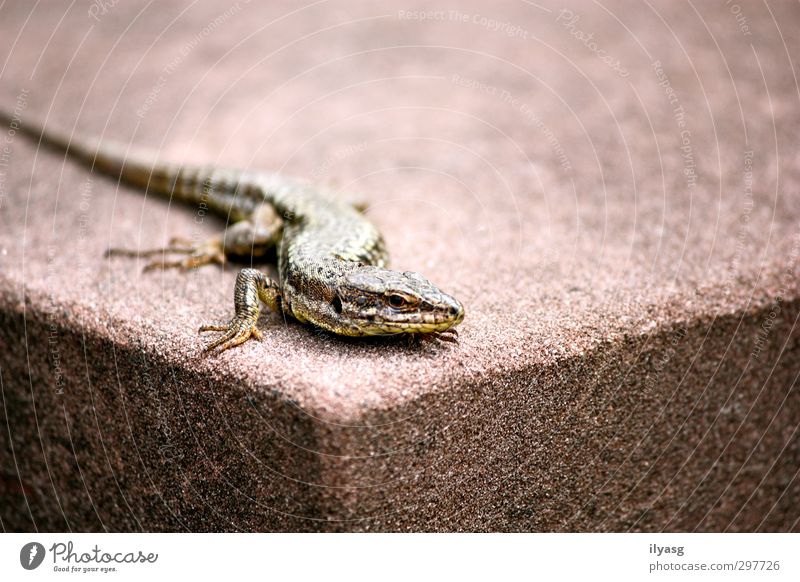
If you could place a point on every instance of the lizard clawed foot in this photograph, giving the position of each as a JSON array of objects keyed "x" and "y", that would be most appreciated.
[
  {"x": 205, "y": 253},
  {"x": 238, "y": 331},
  {"x": 448, "y": 336}
]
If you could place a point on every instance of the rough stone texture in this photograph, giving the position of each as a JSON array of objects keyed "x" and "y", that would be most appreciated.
[{"x": 629, "y": 359}]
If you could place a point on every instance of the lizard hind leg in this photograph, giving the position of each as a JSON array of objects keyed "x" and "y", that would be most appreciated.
[
  {"x": 251, "y": 287},
  {"x": 210, "y": 251},
  {"x": 255, "y": 235},
  {"x": 252, "y": 236}
]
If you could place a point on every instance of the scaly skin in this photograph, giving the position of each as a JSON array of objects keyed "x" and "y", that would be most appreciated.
[{"x": 332, "y": 262}]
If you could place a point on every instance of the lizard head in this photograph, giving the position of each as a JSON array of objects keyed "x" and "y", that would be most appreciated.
[{"x": 379, "y": 301}]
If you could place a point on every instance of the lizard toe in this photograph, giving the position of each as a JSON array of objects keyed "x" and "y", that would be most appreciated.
[
  {"x": 237, "y": 332},
  {"x": 448, "y": 335}
]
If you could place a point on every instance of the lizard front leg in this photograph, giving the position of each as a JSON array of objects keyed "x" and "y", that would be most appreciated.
[{"x": 251, "y": 287}]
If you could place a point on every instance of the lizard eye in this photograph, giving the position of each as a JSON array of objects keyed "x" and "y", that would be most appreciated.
[{"x": 397, "y": 300}]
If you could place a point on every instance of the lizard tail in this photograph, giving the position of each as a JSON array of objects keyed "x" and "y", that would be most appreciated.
[
  {"x": 187, "y": 183},
  {"x": 109, "y": 159}
]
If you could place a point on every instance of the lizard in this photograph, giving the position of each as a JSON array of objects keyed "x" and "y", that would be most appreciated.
[{"x": 333, "y": 265}]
